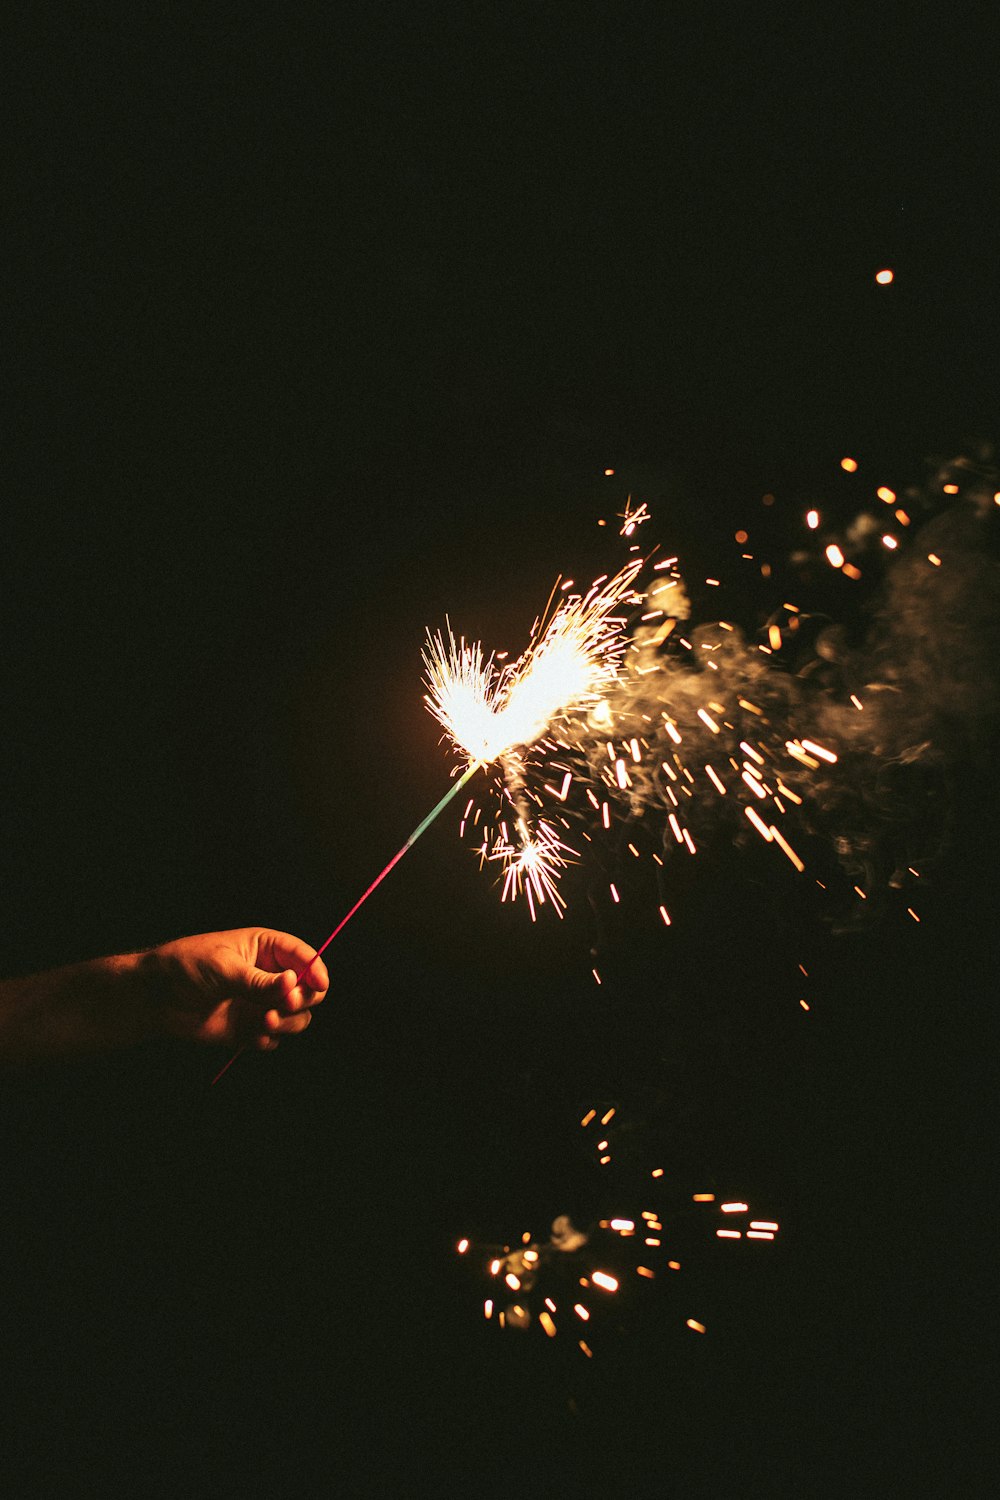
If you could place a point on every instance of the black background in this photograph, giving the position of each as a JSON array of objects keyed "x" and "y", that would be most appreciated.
[{"x": 322, "y": 324}]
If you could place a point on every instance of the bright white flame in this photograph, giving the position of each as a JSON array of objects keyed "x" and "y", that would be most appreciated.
[
  {"x": 533, "y": 866},
  {"x": 490, "y": 712}
]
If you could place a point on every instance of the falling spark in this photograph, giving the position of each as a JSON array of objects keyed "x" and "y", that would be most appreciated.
[
  {"x": 884, "y": 278},
  {"x": 697, "y": 1327}
]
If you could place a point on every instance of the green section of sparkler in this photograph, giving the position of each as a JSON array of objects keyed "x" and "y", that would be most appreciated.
[{"x": 466, "y": 775}]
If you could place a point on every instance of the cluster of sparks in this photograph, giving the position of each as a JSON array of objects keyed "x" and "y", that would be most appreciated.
[
  {"x": 570, "y": 1280},
  {"x": 598, "y": 706},
  {"x": 624, "y": 727}
]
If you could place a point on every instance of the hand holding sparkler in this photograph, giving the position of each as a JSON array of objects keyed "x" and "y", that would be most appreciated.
[
  {"x": 217, "y": 986},
  {"x": 493, "y": 715},
  {"x": 247, "y": 986}
]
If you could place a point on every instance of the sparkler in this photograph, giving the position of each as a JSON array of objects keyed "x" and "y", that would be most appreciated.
[{"x": 496, "y": 714}]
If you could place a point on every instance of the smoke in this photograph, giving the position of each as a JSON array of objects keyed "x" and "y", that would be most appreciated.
[{"x": 809, "y": 732}]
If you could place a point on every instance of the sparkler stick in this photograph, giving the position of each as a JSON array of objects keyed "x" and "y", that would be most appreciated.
[{"x": 421, "y": 827}]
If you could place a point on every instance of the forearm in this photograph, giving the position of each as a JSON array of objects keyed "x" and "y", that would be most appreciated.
[{"x": 87, "y": 1007}]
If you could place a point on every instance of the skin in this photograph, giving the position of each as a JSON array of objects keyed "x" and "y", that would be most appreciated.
[{"x": 224, "y": 988}]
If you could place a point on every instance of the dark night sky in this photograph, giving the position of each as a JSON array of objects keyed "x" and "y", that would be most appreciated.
[{"x": 318, "y": 326}]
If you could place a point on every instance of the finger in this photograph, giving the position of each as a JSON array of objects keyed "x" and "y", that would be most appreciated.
[
  {"x": 278, "y": 1025},
  {"x": 266, "y": 1043},
  {"x": 277, "y": 951}
]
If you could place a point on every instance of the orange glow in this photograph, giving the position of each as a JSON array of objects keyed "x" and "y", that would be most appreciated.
[
  {"x": 803, "y": 1005},
  {"x": 488, "y": 1307},
  {"x": 762, "y": 1224},
  {"x": 741, "y": 537},
  {"x": 607, "y": 1118},
  {"x": 902, "y": 518},
  {"x": 890, "y": 542},
  {"x": 674, "y": 1265},
  {"x": 463, "y": 1245},
  {"x": 932, "y": 557},
  {"x": 657, "y": 1172},
  {"x": 850, "y": 571},
  {"x": 703, "y": 1198},
  {"x": 605, "y": 1160},
  {"x": 653, "y": 1241},
  {"x": 834, "y": 556},
  {"x": 581, "y": 1311},
  {"x": 786, "y": 848},
  {"x": 512, "y": 1281},
  {"x": 596, "y": 975},
  {"x": 602, "y": 1279},
  {"x": 707, "y": 719},
  {"x": 815, "y": 749},
  {"x": 550, "y": 1304},
  {"x": 886, "y": 494},
  {"x": 614, "y": 895},
  {"x": 645, "y": 1271},
  {"x": 586, "y": 1349},
  {"x": 912, "y": 913},
  {"x": 734, "y": 1208},
  {"x": 849, "y": 465},
  {"x": 719, "y": 787},
  {"x": 951, "y": 489},
  {"x": 608, "y": 473},
  {"x": 666, "y": 922},
  {"x": 588, "y": 1116},
  {"x": 759, "y": 824},
  {"x": 759, "y": 1234},
  {"x": 774, "y": 637},
  {"x": 884, "y": 278},
  {"x": 812, "y": 519},
  {"x": 713, "y": 581},
  {"x": 698, "y": 1327},
  {"x": 530, "y": 1257},
  {"x": 728, "y": 1234},
  {"x": 547, "y": 1324},
  {"x": 622, "y": 1224}
]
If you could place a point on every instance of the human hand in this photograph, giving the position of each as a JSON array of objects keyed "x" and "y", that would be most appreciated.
[{"x": 238, "y": 988}]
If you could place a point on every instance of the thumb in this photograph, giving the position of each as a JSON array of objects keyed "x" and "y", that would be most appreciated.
[{"x": 245, "y": 982}]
